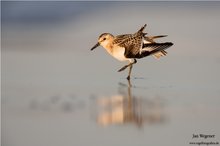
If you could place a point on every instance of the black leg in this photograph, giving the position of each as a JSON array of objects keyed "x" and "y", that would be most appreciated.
[
  {"x": 130, "y": 68},
  {"x": 124, "y": 67},
  {"x": 129, "y": 73}
]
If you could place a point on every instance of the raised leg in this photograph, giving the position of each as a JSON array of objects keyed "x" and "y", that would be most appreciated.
[
  {"x": 124, "y": 67},
  {"x": 130, "y": 65}
]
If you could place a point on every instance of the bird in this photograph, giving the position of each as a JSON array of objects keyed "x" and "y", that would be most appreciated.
[{"x": 130, "y": 47}]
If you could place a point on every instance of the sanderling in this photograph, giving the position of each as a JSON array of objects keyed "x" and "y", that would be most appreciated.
[{"x": 129, "y": 47}]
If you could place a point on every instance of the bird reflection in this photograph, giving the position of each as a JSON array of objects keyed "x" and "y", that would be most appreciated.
[{"x": 126, "y": 108}]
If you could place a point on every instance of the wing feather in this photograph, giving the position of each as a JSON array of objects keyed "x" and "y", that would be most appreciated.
[
  {"x": 151, "y": 49},
  {"x": 155, "y": 47},
  {"x": 132, "y": 43}
]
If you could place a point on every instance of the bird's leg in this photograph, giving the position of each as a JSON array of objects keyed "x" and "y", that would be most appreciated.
[
  {"x": 130, "y": 68},
  {"x": 124, "y": 67},
  {"x": 129, "y": 73},
  {"x": 130, "y": 65}
]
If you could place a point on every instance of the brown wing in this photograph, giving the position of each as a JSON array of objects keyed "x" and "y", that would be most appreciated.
[
  {"x": 148, "y": 49},
  {"x": 131, "y": 51},
  {"x": 132, "y": 43},
  {"x": 121, "y": 38}
]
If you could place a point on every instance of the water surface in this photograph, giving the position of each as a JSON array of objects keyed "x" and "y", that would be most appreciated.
[{"x": 55, "y": 91}]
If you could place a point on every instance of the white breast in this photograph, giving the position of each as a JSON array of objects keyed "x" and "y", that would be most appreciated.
[{"x": 117, "y": 52}]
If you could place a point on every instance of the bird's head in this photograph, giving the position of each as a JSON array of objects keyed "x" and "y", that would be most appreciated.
[{"x": 104, "y": 40}]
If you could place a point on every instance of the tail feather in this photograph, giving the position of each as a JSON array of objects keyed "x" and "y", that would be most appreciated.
[
  {"x": 160, "y": 54},
  {"x": 164, "y": 52}
]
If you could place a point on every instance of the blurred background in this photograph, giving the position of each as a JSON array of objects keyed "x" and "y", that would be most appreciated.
[{"x": 55, "y": 91}]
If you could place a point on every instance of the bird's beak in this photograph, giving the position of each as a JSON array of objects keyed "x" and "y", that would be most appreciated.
[{"x": 96, "y": 45}]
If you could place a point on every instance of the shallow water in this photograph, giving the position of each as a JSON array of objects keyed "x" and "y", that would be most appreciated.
[{"x": 55, "y": 91}]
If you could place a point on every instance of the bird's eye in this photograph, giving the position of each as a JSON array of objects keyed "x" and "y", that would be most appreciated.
[{"x": 104, "y": 39}]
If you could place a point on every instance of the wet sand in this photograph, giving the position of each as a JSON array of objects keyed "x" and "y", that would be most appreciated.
[{"x": 60, "y": 93}]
